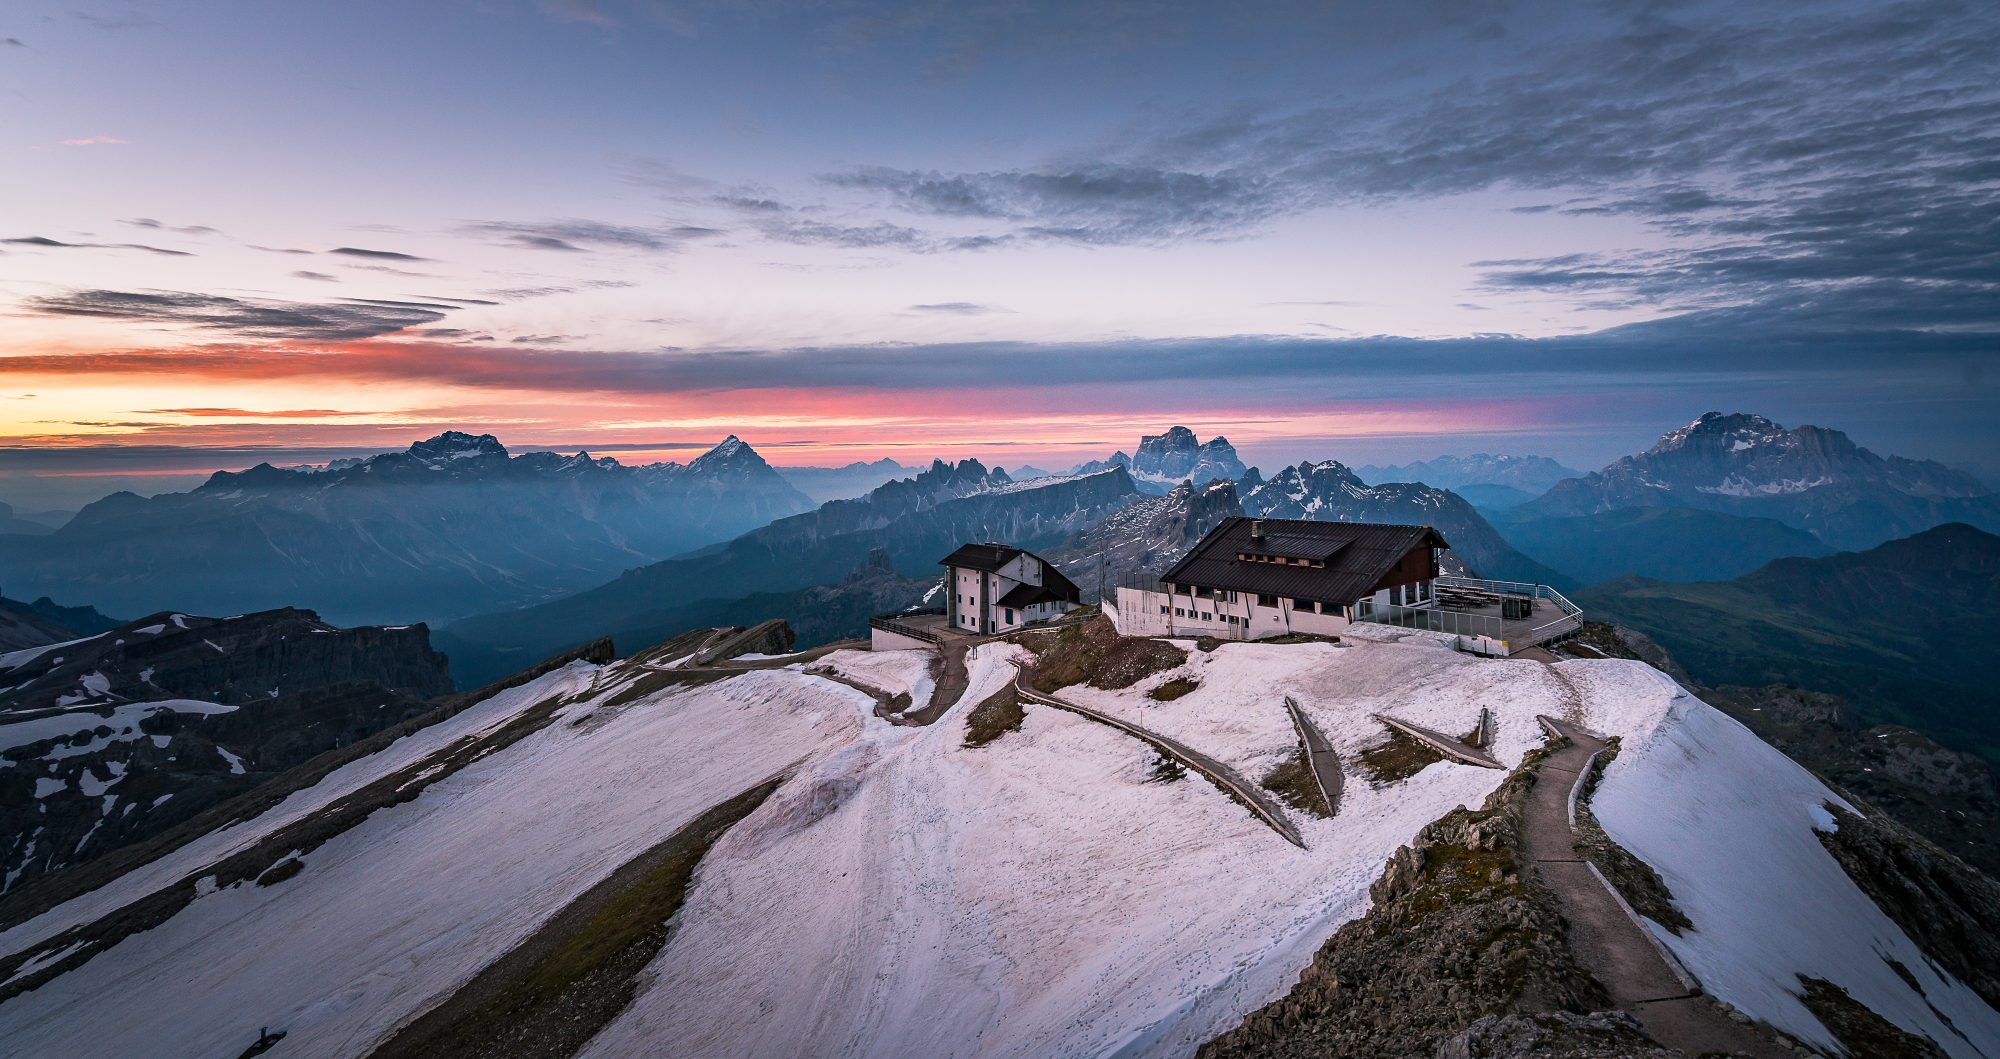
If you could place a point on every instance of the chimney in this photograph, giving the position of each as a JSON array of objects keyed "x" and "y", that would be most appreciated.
[{"x": 1257, "y": 530}]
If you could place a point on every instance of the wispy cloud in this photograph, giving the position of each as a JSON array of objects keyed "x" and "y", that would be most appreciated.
[
  {"x": 56, "y": 244},
  {"x": 162, "y": 226},
  {"x": 958, "y": 309},
  {"x": 578, "y": 235},
  {"x": 386, "y": 255},
  {"x": 249, "y": 413},
  {"x": 92, "y": 141},
  {"x": 329, "y": 321},
  {"x": 320, "y": 276}
]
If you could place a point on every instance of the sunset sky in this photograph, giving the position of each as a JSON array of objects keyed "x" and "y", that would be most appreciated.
[{"x": 233, "y": 231}]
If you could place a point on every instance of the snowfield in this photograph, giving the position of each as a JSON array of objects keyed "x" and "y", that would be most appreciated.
[
  {"x": 903, "y": 894},
  {"x": 1729, "y": 824}
]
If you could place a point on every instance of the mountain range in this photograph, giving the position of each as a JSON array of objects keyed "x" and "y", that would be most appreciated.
[
  {"x": 913, "y": 522},
  {"x": 1528, "y": 474},
  {"x": 822, "y": 484},
  {"x": 1099, "y": 524},
  {"x": 1810, "y": 478},
  {"x": 451, "y": 526}
]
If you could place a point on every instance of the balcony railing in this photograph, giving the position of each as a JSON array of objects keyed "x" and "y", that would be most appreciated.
[
  {"x": 1431, "y": 618},
  {"x": 895, "y": 623}
]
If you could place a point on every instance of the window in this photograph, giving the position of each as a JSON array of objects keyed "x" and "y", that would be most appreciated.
[
  {"x": 1008, "y": 615},
  {"x": 1266, "y": 601},
  {"x": 1163, "y": 608},
  {"x": 1179, "y": 613}
]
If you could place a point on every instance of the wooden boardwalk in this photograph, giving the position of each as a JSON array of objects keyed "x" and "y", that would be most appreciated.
[
  {"x": 1443, "y": 744},
  {"x": 1319, "y": 754},
  {"x": 1252, "y": 797}
]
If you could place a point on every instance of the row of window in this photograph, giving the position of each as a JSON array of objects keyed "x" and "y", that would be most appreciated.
[
  {"x": 1252, "y": 557},
  {"x": 1183, "y": 612}
]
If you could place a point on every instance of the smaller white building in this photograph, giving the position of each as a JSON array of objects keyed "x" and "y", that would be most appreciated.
[{"x": 996, "y": 588}]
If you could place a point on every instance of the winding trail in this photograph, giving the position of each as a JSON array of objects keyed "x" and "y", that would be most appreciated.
[
  {"x": 1319, "y": 754},
  {"x": 1605, "y": 934}
]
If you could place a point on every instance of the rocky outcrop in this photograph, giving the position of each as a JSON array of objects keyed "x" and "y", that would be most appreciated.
[
  {"x": 1952, "y": 912},
  {"x": 1461, "y": 950},
  {"x": 115, "y": 738},
  {"x": 1177, "y": 456}
]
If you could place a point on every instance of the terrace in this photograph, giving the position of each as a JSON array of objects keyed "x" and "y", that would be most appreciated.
[{"x": 1492, "y": 617}]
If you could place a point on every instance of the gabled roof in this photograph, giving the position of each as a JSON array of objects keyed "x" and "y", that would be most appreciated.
[
  {"x": 1021, "y": 597},
  {"x": 987, "y": 557},
  {"x": 1356, "y": 556}
]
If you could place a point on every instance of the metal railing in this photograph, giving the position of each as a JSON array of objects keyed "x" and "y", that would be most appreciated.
[
  {"x": 1513, "y": 588},
  {"x": 1433, "y": 619},
  {"x": 1568, "y": 615},
  {"x": 889, "y": 623}
]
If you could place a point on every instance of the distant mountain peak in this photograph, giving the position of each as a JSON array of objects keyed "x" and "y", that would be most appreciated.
[
  {"x": 1807, "y": 477},
  {"x": 731, "y": 450},
  {"x": 1742, "y": 429},
  {"x": 1166, "y": 459},
  {"x": 457, "y": 445}
]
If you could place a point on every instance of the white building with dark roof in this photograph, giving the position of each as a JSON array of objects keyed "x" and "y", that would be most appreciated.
[
  {"x": 996, "y": 588},
  {"x": 1250, "y": 579}
]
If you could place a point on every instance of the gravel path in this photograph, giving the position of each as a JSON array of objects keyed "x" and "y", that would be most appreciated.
[{"x": 1603, "y": 933}]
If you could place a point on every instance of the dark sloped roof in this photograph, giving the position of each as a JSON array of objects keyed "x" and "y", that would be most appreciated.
[
  {"x": 1061, "y": 587},
  {"x": 991, "y": 557},
  {"x": 1357, "y": 556},
  {"x": 987, "y": 557},
  {"x": 1023, "y": 596}
]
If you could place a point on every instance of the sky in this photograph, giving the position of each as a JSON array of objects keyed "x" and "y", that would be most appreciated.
[{"x": 233, "y": 231}]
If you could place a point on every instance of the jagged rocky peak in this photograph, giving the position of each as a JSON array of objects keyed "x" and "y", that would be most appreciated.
[
  {"x": 732, "y": 458},
  {"x": 457, "y": 445},
  {"x": 1162, "y": 460},
  {"x": 1732, "y": 433}
]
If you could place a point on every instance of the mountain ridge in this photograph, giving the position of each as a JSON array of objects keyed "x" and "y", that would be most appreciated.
[
  {"x": 451, "y": 525},
  {"x": 1808, "y": 477}
]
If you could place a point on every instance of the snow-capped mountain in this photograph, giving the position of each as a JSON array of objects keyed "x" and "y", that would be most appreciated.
[
  {"x": 1531, "y": 474},
  {"x": 1328, "y": 492},
  {"x": 1165, "y": 460},
  {"x": 639, "y": 858},
  {"x": 451, "y": 525},
  {"x": 1812, "y": 478},
  {"x": 110, "y": 739}
]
